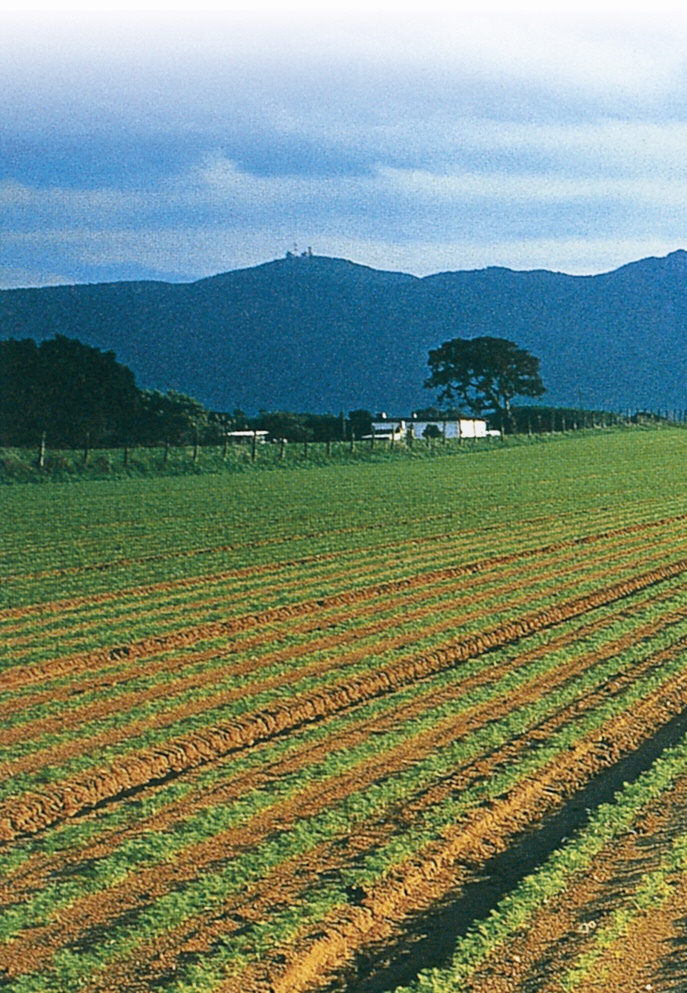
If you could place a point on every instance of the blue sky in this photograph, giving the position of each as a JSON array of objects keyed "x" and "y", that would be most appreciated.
[{"x": 176, "y": 141}]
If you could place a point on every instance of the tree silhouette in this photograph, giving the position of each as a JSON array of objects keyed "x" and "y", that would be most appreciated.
[
  {"x": 484, "y": 374},
  {"x": 65, "y": 388}
]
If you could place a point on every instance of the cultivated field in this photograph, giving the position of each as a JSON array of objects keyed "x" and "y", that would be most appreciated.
[{"x": 406, "y": 725}]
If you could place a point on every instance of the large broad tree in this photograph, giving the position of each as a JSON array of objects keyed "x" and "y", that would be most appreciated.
[
  {"x": 66, "y": 388},
  {"x": 484, "y": 374}
]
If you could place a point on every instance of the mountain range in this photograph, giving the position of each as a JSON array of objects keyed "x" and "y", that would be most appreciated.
[{"x": 324, "y": 334}]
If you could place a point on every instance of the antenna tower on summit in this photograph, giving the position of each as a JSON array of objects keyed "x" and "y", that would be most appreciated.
[{"x": 307, "y": 254}]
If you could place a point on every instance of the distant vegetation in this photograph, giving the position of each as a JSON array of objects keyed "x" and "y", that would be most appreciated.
[
  {"x": 78, "y": 395},
  {"x": 66, "y": 407}
]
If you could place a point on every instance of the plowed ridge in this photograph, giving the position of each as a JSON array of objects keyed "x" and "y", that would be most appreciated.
[
  {"x": 34, "y": 813},
  {"x": 305, "y": 754},
  {"x": 216, "y": 849},
  {"x": 353, "y": 734},
  {"x": 24, "y": 675},
  {"x": 476, "y": 599}
]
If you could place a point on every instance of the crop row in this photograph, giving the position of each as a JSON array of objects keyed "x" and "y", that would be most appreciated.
[
  {"x": 568, "y": 864},
  {"x": 258, "y": 663},
  {"x": 349, "y": 568},
  {"x": 333, "y": 569},
  {"x": 307, "y": 699},
  {"x": 486, "y": 543},
  {"x": 245, "y": 542},
  {"x": 406, "y": 783},
  {"x": 98, "y": 577},
  {"x": 96, "y": 525},
  {"x": 268, "y": 865},
  {"x": 245, "y": 739},
  {"x": 390, "y": 875},
  {"x": 167, "y": 513},
  {"x": 610, "y": 631},
  {"x": 421, "y": 867},
  {"x": 321, "y": 600},
  {"x": 411, "y": 621},
  {"x": 273, "y": 627}
]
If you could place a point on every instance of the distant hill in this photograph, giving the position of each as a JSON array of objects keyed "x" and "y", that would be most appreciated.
[{"x": 326, "y": 334}]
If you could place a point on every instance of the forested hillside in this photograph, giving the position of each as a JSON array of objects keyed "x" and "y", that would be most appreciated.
[{"x": 317, "y": 333}]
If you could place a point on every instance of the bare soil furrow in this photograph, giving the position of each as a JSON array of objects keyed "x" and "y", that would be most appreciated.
[
  {"x": 77, "y": 603},
  {"x": 34, "y": 873},
  {"x": 56, "y": 755},
  {"x": 125, "y": 702},
  {"x": 425, "y": 880},
  {"x": 206, "y": 580},
  {"x": 26, "y": 675},
  {"x": 153, "y": 959},
  {"x": 99, "y": 709},
  {"x": 650, "y": 955},
  {"x": 20, "y": 641},
  {"x": 534, "y": 526},
  {"x": 125, "y": 668},
  {"x": 35, "y": 812},
  {"x": 564, "y": 928},
  {"x": 148, "y": 884},
  {"x": 346, "y": 611}
]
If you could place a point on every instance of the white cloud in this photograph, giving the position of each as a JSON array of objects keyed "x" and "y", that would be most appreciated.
[
  {"x": 14, "y": 277},
  {"x": 382, "y": 50},
  {"x": 422, "y": 186},
  {"x": 216, "y": 216},
  {"x": 640, "y": 176},
  {"x": 524, "y": 130}
]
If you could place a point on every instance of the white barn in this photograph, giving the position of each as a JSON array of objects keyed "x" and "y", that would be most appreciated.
[
  {"x": 246, "y": 437},
  {"x": 389, "y": 430},
  {"x": 397, "y": 429}
]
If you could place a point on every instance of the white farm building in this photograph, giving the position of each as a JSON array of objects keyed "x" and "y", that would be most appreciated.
[{"x": 399, "y": 429}]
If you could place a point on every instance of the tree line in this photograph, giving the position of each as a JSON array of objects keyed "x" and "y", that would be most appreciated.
[{"x": 75, "y": 394}]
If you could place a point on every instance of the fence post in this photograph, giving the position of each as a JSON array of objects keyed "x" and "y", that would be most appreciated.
[
  {"x": 87, "y": 448},
  {"x": 195, "y": 445},
  {"x": 254, "y": 446},
  {"x": 41, "y": 452}
]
